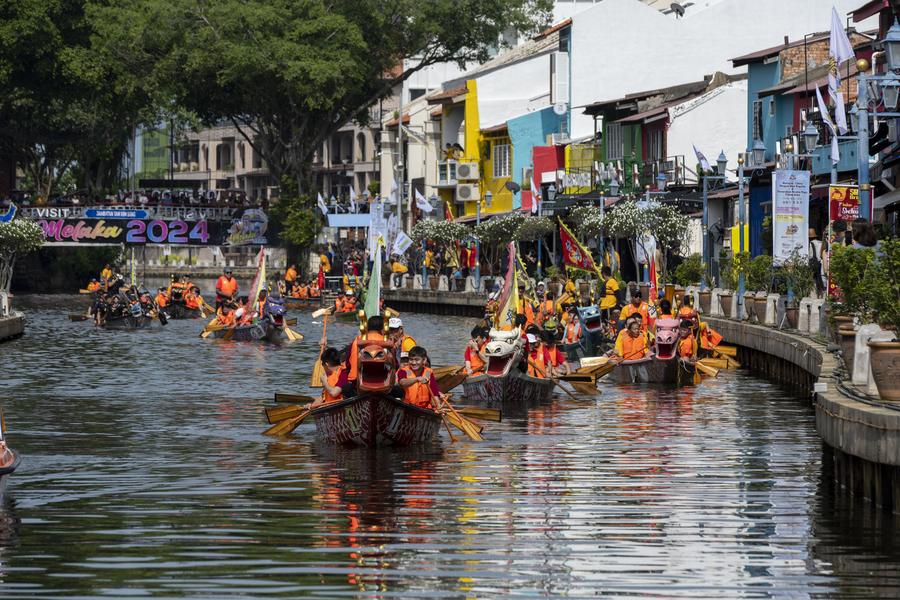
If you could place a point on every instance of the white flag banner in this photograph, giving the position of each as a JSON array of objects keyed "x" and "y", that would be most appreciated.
[
  {"x": 422, "y": 203},
  {"x": 823, "y": 110},
  {"x": 704, "y": 163},
  {"x": 393, "y": 228},
  {"x": 395, "y": 195},
  {"x": 401, "y": 244},
  {"x": 840, "y": 50},
  {"x": 535, "y": 196},
  {"x": 352, "y": 200},
  {"x": 322, "y": 206}
]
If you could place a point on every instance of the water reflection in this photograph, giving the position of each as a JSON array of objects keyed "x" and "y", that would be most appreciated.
[{"x": 145, "y": 473}]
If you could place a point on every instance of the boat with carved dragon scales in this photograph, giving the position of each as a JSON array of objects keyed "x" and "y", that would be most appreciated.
[
  {"x": 503, "y": 384},
  {"x": 373, "y": 417},
  {"x": 663, "y": 365}
]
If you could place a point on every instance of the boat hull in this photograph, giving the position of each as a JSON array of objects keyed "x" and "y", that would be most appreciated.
[
  {"x": 299, "y": 303},
  {"x": 9, "y": 461},
  {"x": 129, "y": 322},
  {"x": 257, "y": 332},
  {"x": 375, "y": 420},
  {"x": 180, "y": 311},
  {"x": 346, "y": 317},
  {"x": 653, "y": 370},
  {"x": 513, "y": 390}
]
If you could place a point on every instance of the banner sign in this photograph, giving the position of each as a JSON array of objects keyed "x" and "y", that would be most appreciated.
[
  {"x": 114, "y": 213},
  {"x": 378, "y": 226},
  {"x": 843, "y": 205},
  {"x": 249, "y": 230},
  {"x": 401, "y": 244},
  {"x": 790, "y": 212}
]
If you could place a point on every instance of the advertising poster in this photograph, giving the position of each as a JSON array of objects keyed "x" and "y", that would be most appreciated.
[
  {"x": 843, "y": 205},
  {"x": 790, "y": 214}
]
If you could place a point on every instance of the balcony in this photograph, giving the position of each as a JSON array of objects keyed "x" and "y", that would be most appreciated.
[
  {"x": 821, "y": 159},
  {"x": 447, "y": 174},
  {"x": 673, "y": 167}
]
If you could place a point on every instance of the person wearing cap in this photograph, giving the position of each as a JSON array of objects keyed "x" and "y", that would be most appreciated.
[
  {"x": 474, "y": 357},
  {"x": 402, "y": 342},
  {"x": 539, "y": 361},
  {"x": 637, "y": 306},
  {"x": 226, "y": 287},
  {"x": 687, "y": 342},
  {"x": 632, "y": 343}
]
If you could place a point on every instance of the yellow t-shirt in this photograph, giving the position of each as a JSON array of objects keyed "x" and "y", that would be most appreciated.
[
  {"x": 326, "y": 264},
  {"x": 609, "y": 297}
]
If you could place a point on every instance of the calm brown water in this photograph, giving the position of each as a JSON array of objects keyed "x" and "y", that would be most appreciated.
[{"x": 145, "y": 474}]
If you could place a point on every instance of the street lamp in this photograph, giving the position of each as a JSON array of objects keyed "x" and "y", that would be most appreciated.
[
  {"x": 810, "y": 137},
  {"x": 551, "y": 193},
  {"x": 892, "y": 46},
  {"x": 721, "y": 165},
  {"x": 759, "y": 153},
  {"x": 614, "y": 187},
  {"x": 890, "y": 91},
  {"x": 488, "y": 199}
]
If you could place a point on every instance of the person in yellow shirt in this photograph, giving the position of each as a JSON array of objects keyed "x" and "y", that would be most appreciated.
[
  {"x": 106, "y": 275},
  {"x": 610, "y": 288},
  {"x": 326, "y": 264},
  {"x": 290, "y": 276}
]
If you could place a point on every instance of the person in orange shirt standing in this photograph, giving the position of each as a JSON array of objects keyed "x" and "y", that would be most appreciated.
[
  {"x": 637, "y": 306},
  {"x": 226, "y": 287}
]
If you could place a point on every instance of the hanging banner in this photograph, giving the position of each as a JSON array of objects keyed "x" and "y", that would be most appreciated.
[
  {"x": 843, "y": 205},
  {"x": 249, "y": 230},
  {"x": 377, "y": 226},
  {"x": 790, "y": 214},
  {"x": 401, "y": 244}
]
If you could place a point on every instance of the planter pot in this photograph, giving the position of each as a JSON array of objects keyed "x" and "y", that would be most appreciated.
[
  {"x": 760, "y": 305},
  {"x": 847, "y": 342},
  {"x": 670, "y": 292},
  {"x": 679, "y": 294},
  {"x": 433, "y": 282},
  {"x": 836, "y": 324},
  {"x": 792, "y": 314},
  {"x": 705, "y": 302},
  {"x": 750, "y": 306},
  {"x": 725, "y": 302},
  {"x": 584, "y": 291},
  {"x": 645, "y": 291},
  {"x": 885, "y": 362}
]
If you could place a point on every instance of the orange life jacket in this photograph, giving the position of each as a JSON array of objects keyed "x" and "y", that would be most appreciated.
[
  {"x": 191, "y": 300},
  {"x": 643, "y": 310},
  {"x": 260, "y": 309},
  {"x": 313, "y": 291},
  {"x": 419, "y": 394},
  {"x": 225, "y": 319},
  {"x": 161, "y": 300},
  {"x": 303, "y": 292},
  {"x": 547, "y": 310},
  {"x": 353, "y": 359},
  {"x": 475, "y": 360},
  {"x": 687, "y": 347},
  {"x": 537, "y": 357},
  {"x": 632, "y": 348},
  {"x": 573, "y": 332},
  {"x": 93, "y": 286},
  {"x": 333, "y": 381},
  {"x": 226, "y": 287}
]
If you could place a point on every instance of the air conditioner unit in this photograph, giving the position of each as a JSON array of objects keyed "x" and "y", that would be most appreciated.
[
  {"x": 467, "y": 191},
  {"x": 467, "y": 170}
]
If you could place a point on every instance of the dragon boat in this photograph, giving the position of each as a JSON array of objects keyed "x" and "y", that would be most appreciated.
[
  {"x": 270, "y": 328},
  {"x": 504, "y": 385},
  {"x": 178, "y": 310},
  {"x": 9, "y": 460},
  {"x": 141, "y": 321},
  {"x": 663, "y": 365},
  {"x": 374, "y": 417}
]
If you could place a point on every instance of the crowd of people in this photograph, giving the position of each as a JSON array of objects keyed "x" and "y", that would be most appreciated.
[{"x": 184, "y": 198}]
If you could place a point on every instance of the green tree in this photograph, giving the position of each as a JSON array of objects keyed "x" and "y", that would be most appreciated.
[
  {"x": 290, "y": 73},
  {"x": 17, "y": 237}
]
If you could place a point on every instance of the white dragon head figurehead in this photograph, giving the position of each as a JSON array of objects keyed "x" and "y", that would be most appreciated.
[{"x": 503, "y": 352}]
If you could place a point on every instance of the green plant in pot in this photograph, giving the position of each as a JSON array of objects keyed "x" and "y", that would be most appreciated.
[
  {"x": 799, "y": 283},
  {"x": 730, "y": 271},
  {"x": 759, "y": 278},
  {"x": 692, "y": 271},
  {"x": 881, "y": 284}
]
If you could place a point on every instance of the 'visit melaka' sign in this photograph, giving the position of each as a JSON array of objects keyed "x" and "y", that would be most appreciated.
[{"x": 132, "y": 232}]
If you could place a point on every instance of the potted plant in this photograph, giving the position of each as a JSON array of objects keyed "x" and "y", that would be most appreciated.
[
  {"x": 730, "y": 271},
  {"x": 759, "y": 277},
  {"x": 848, "y": 268},
  {"x": 882, "y": 287},
  {"x": 794, "y": 278},
  {"x": 692, "y": 271}
]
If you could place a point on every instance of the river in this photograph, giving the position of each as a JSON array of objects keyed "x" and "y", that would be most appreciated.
[{"x": 144, "y": 473}]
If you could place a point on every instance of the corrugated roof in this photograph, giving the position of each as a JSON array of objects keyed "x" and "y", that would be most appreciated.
[
  {"x": 819, "y": 77},
  {"x": 774, "y": 50}
]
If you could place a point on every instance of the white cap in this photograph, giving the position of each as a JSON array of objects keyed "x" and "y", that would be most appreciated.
[
  {"x": 348, "y": 293},
  {"x": 404, "y": 355},
  {"x": 541, "y": 284},
  {"x": 239, "y": 313},
  {"x": 395, "y": 323},
  {"x": 531, "y": 338}
]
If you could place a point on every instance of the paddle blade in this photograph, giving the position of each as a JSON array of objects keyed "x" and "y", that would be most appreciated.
[
  {"x": 484, "y": 414},
  {"x": 469, "y": 428},
  {"x": 293, "y": 335},
  {"x": 287, "y": 426},
  {"x": 322, "y": 311},
  {"x": 277, "y": 414},
  {"x": 708, "y": 371},
  {"x": 293, "y": 398},
  {"x": 290, "y": 322},
  {"x": 315, "y": 380}
]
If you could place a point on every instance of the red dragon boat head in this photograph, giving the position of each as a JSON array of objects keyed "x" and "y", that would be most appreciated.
[
  {"x": 666, "y": 338},
  {"x": 376, "y": 366}
]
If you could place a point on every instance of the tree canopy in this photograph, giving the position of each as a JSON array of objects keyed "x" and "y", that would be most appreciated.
[{"x": 17, "y": 237}]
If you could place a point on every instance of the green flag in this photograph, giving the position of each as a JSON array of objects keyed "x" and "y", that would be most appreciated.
[{"x": 373, "y": 294}]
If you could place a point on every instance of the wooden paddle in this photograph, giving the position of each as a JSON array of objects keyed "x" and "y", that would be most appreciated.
[
  {"x": 472, "y": 430},
  {"x": 483, "y": 414},
  {"x": 291, "y": 322},
  {"x": 715, "y": 363},
  {"x": 708, "y": 371},
  {"x": 292, "y": 335},
  {"x": 78, "y": 317},
  {"x": 318, "y": 369},
  {"x": 293, "y": 398},
  {"x": 328, "y": 310},
  {"x": 288, "y": 425},
  {"x": 726, "y": 350},
  {"x": 555, "y": 382},
  {"x": 277, "y": 414}
]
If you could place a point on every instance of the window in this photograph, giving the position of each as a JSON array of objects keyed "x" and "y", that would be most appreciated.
[
  {"x": 757, "y": 120},
  {"x": 615, "y": 142},
  {"x": 655, "y": 145},
  {"x": 771, "y": 107},
  {"x": 501, "y": 160}
]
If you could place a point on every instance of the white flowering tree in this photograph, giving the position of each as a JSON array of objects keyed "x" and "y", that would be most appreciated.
[
  {"x": 589, "y": 221},
  {"x": 17, "y": 237},
  {"x": 442, "y": 232},
  {"x": 494, "y": 234}
]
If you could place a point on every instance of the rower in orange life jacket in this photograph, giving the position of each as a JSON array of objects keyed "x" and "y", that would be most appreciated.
[
  {"x": 374, "y": 332},
  {"x": 539, "y": 361},
  {"x": 261, "y": 304},
  {"x": 161, "y": 298},
  {"x": 572, "y": 332},
  {"x": 558, "y": 360},
  {"x": 687, "y": 343},
  {"x": 225, "y": 316},
  {"x": 313, "y": 290},
  {"x": 333, "y": 379},
  {"x": 226, "y": 287},
  {"x": 632, "y": 343},
  {"x": 418, "y": 381},
  {"x": 547, "y": 307},
  {"x": 192, "y": 298},
  {"x": 636, "y": 306},
  {"x": 475, "y": 365},
  {"x": 93, "y": 286}
]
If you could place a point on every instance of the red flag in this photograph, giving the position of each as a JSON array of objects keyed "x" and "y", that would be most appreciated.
[
  {"x": 653, "y": 292},
  {"x": 321, "y": 279},
  {"x": 574, "y": 254}
]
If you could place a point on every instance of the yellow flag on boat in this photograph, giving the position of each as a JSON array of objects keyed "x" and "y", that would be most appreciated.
[
  {"x": 509, "y": 298},
  {"x": 259, "y": 282},
  {"x": 133, "y": 271}
]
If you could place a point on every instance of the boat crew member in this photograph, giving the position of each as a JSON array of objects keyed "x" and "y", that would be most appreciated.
[
  {"x": 632, "y": 343},
  {"x": 538, "y": 357},
  {"x": 687, "y": 312},
  {"x": 474, "y": 357},
  {"x": 290, "y": 276},
  {"x": 162, "y": 299},
  {"x": 106, "y": 275},
  {"x": 572, "y": 333},
  {"x": 402, "y": 342},
  {"x": 636, "y": 307},
  {"x": 420, "y": 387},
  {"x": 687, "y": 342},
  {"x": 225, "y": 315},
  {"x": 610, "y": 288},
  {"x": 665, "y": 309},
  {"x": 374, "y": 327},
  {"x": 93, "y": 286},
  {"x": 314, "y": 290},
  {"x": 333, "y": 379},
  {"x": 192, "y": 299},
  {"x": 547, "y": 307},
  {"x": 262, "y": 300},
  {"x": 226, "y": 287},
  {"x": 558, "y": 362}
]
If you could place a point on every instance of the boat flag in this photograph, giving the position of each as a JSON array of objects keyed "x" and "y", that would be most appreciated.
[
  {"x": 373, "y": 294},
  {"x": 259, "y": 281},
  {"x": 133, "y": 272},
  {"x": 701, "y": 158},
  {"x": 839, "y": 50},
  {"x": 823, "y": 110},
  {"x": 508, "y": 302},
  {"x": 535, "y": 194},
  {"x": 574, "y": 254},
  {"x": 653, "y": 289}
]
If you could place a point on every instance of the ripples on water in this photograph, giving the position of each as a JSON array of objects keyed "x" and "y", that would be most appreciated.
[{"x": 145, "y": 473}]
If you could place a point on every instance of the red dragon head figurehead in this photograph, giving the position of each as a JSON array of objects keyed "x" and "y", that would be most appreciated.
[{"x": 376, "y": 366}]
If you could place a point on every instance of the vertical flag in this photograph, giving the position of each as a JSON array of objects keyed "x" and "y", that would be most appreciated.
[
  {"x": 574, "y": 254},
  {"x": 395, "y": 196},
  {"x": 704, "y": 163},
  {"x": 133, "y": 271},
  {"x": 508, "y": 302},
  {"x": 321, "y": 202},
  {"x": 839, "y": 51},
  {"x": 259, "y": 281},
  {"x": 535, "y": 196},
  {"x": 373, "y": 294},
  {"x": 352, "y": 199},
  {"x": 823, "y": 109},
  {"x": 653, "y": 290},
  {"x": 423, "y": 204}
]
